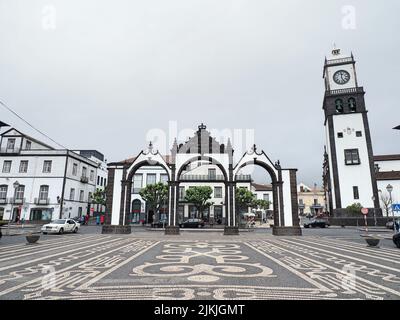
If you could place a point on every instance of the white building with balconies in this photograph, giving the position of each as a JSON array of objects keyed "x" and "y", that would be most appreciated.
[{"x": 39, "y": 182}]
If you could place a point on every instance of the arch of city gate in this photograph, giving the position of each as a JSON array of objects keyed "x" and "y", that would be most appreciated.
[
  {"x": 126, "y": 172},
  {"x": 203, "y": 147},
  {"x": 178, "y": 180}
]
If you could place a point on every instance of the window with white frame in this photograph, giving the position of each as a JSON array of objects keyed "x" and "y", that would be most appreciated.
[
  {"x": 266, "y": 196},
  {"x": 10, "y": 144},
  {"x": 91, "y": 175},
  {"x": 181, "y": 193},
  {"x": 151, "y": 178},
  {"x": 212, "y": 174},
  {"x": 19, "y": 193},
  {"x": 84, "y": 171},
  {"x": 164, "y": 178},
  {"x": 43, "y": 192},
  {"x": 74, "y": 169},
  {"x": 217, "y": 192},
  {"x": 23, "y": 166},
  {"x": 3, "y": 192},
  {"x": 81, "y": 195},
  {"x": 47, "y": 166},
  {"x": 28, "y": 145},
  {"x": 7, "y": 166},
  {"x": 137, "y": 183},
  {"x": 72, "y": 194}
]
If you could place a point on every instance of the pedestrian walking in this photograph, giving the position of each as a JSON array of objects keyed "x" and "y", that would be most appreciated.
[
  {"x": 102, "y": 219},
  {"x": 397, "y": 225}
]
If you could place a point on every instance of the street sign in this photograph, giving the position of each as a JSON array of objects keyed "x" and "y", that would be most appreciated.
[
  {"x": 396, "y": 207},
  {"x": 364, "y": 211}
]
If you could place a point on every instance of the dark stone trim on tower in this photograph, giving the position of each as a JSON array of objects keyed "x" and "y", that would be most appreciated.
[
  {"x": 121, "y": 214},
  {"x": 275, "y": 203},
  {"x": 294, "y": 199},
  {"x": 109, "y": 194},
  {"x": 371, "y": 163},
  {"x": 336, "y": 184},
  {"x": 281, "y": 206}
]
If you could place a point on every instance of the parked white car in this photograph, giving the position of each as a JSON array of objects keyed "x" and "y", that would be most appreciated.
[{"x": 60, "y": 226}]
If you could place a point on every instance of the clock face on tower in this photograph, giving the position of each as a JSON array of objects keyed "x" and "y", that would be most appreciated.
[{"x": 341, "y": 77}]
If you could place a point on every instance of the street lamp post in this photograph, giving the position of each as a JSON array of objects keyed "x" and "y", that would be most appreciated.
[
  {"x": 389, "y": 189},
  {"x": 373, "y": 201},
  {"x": 16, "y": 186}
]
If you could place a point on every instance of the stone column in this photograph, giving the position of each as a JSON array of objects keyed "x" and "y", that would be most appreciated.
[
  {"x": 275, "y": 203},
  {"x": 231, "y": 228},
  {"x": 173, "y": 228}
]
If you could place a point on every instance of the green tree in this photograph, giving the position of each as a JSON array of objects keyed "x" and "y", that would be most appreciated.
[
  {"x": 354, "y": 209},
  {"x": 244, "y": 198},
  {"x": 99, "y": 197},
  {"x": 199, "y": 196},
  {"x": 261, "y": 204},
  {"x": 155, "y": 195}
]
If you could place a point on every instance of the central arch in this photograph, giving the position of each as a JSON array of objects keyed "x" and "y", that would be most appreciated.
[{"x": 225, "y": 181}]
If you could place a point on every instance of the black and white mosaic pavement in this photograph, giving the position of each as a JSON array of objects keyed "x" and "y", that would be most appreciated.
[{"x": 95, "y": 266}]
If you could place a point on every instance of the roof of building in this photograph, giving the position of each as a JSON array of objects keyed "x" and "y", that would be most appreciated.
[
  {"x": 3, "y": 124},
  {"x": 388, "y": 175},
  {"x": 167, "y": 159},
  {"x": 262, "y": 187},
  {"x": 387, "y": 157}
]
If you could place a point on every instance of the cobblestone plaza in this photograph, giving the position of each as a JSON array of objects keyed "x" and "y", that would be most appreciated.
[{"x": 323, "y": 264}]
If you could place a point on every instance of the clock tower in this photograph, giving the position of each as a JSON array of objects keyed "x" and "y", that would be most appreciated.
[{"x": 349, "y": 174}]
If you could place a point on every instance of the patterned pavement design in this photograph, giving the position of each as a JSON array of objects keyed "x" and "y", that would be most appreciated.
[{"x": 97, "y": 266}]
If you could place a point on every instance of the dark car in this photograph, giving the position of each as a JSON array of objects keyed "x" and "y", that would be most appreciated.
[
  {"x": 316, "y": 223},
  {"x": 160, "y": 223},
  {"x": 192, "y": 223},
  {"x": 396, "y": 240}
]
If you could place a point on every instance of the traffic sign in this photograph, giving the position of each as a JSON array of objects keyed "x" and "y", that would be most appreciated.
[
  {"x": 396, "y": 207},
  {"x": 364, "y": 211}
]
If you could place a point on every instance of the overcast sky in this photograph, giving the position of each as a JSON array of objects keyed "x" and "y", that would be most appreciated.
[{"x": 100, "y": 74}]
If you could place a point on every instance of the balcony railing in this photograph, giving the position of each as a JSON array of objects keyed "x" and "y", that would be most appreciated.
[
  {"x": 41, "y": 201},
  {"x": 4, "y": 201},
  {"x": 17, "y": 200},
  {"x": 344, "y": 91},
  {"x": 10, "y": 151},
  {"x": 202, "y": 177},
  {"x": 84, "y": 179},
  {"x": 338, "y": 61},
  {"x": 243, "y": 177}
]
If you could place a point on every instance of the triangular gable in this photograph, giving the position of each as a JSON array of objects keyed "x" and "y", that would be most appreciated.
[
  {"x": 16, "y": 133},
  {"x": 12, "y": 132}
]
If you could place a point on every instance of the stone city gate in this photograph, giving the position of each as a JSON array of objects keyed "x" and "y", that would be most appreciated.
[{"x": 201, "y": 147}]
